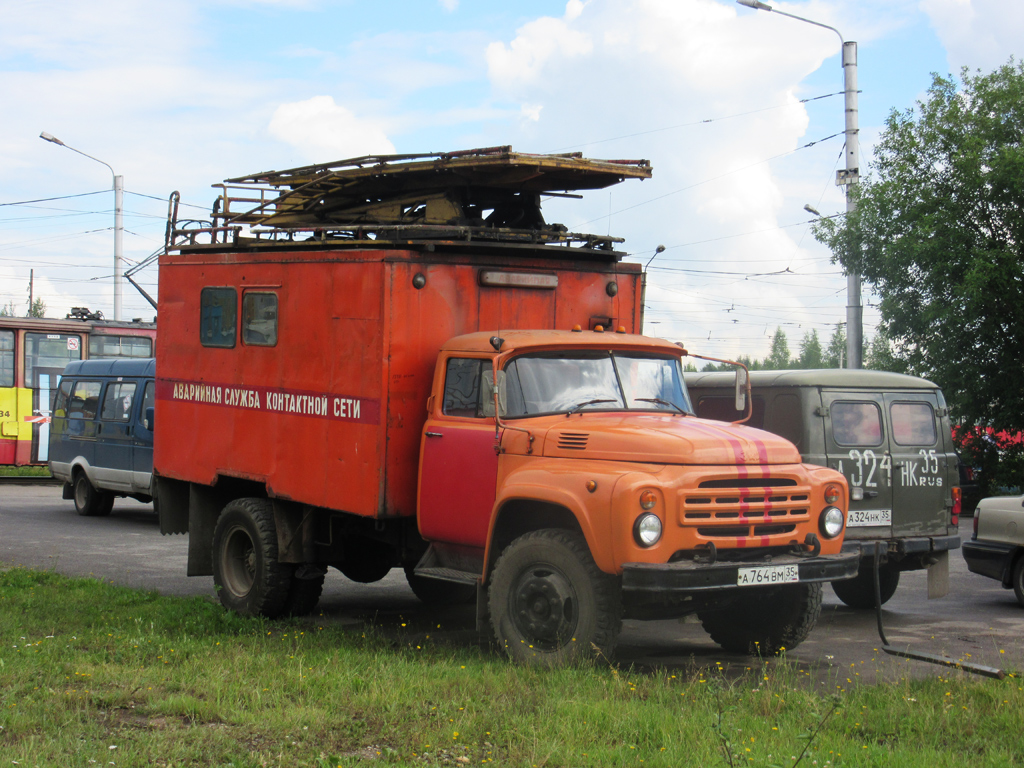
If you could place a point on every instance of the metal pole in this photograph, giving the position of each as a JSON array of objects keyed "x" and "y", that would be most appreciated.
[
  {"x": 854, "y": 310},
  {"x": 118, "y": 216},
  {"x": 118, "y": 239},
  {"x": 848, "y": 177}
]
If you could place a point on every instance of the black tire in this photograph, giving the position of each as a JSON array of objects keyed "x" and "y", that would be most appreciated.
[
  {"x": 249, "y": 579},
  {"x": 1018, "y": 579},
  {"x": 437, "y": 592},
  {"x": 304, "y": 593},
  {"x": 90, "y": 502},
  {"x": 550, "y": 604},
  {"x": 366, "y": 560},
  {"x": 762, "y": 621},
  {"x": 859, "y": 592}
]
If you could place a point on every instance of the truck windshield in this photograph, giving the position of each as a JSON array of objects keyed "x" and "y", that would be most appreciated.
[{"x": 573, "y": 381}]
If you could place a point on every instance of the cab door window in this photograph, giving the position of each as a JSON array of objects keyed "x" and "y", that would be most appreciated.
[
  {"x": 218, "y": 315},
  {"x": 85, "y": 399},
  {"x": 6, "y": 358},
  {"x": 49, "y": 352},
  {"x": 462, "y": 387}
]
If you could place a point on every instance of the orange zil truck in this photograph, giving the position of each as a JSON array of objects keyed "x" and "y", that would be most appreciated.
[{"x": 396, "y": 362}]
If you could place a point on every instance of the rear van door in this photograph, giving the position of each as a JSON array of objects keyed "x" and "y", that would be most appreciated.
[
  {"x": 920, "y": 464},
  {"x": 857, "y": 444}
]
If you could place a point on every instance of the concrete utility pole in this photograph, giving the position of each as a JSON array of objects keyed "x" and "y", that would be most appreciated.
[
  {"x": 847, "y": 177},
  {"x": 118, "y": 218}
]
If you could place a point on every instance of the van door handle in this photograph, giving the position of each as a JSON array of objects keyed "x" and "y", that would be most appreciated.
[{"x": 434, "y": 434}]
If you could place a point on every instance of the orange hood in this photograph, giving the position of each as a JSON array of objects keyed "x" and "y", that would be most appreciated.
[{"x": 663, "y": 439}]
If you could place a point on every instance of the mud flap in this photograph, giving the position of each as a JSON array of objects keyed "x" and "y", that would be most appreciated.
[{"x": 938, "y": 576}]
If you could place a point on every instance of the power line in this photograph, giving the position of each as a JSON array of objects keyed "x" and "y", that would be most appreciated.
[{"x": 63, "y": 197}]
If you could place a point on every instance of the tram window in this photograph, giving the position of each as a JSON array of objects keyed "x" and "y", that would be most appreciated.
[
  {"x": 6, "y": 358},
  {"x": 85, "y": 398},
  {"x": 49, "y": 352},
  {"x": 117, "y": 400},
  {"x": 218, "y": 314},
  {"x": 105, "y": 346},
  {"x": 259, "y": 319}
]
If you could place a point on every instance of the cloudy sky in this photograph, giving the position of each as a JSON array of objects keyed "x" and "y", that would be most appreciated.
[{"x": 737, "y": 110}]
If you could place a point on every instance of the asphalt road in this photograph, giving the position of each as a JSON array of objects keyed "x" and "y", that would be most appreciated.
[{"x": 977, "y": 622}]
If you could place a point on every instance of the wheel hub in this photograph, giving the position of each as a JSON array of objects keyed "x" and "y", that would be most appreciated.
[{"x": 544, "y": 607}]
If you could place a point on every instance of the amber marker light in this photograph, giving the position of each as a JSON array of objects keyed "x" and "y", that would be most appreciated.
[
  {"x": 648, "y": 499},
  {"x": 832, "y": 493},
  {"x": 591, "y": 486}
]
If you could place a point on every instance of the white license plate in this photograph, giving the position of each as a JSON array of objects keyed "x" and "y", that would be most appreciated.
[
  {"x": 859, "y": 518},
  {"x": 767, "y": 574}
]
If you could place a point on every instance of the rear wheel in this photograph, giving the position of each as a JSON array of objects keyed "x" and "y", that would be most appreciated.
[
  {"x": 763, "y": 621},
  {"x": 306, "y": 588},
  {"x": 550, "y": 604},
  {"x": 859, "y": 592},
  {"x": 1018, "y": 579},
  {"x": 90, "y": 502},
  {"x": 249, "y": 579}
]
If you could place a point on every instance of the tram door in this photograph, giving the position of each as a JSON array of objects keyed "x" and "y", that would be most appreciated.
[{"x": 46, "y": 354}]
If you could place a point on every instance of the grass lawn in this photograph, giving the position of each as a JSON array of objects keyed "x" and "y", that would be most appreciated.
[{"x": 94, "y": 675}]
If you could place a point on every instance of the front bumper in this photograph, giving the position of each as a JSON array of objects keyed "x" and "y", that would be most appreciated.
[
  {"x": 989, "y": 559},
  {"x": 651, "y": 579}
]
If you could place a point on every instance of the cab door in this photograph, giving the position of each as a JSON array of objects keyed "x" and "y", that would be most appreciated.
[
  {"x": 920, "y": 463},
  {"x": 857, "y": 443},
  {"x": 458, "y": 463}
]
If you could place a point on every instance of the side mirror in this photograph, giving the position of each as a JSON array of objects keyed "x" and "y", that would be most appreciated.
[
  {"x": 487, "y": 394},
  {"x": 150, "y": 419},
  {"x": 741, "y": 390}
]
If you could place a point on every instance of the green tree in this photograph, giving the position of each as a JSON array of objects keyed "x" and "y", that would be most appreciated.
[
  {"x": 835, "y": 354},
  {"x": 7, "y": 310},
  {"x": 778, "y": 357},
  {"x": 939, "y": 234},
  {"x": 811, "y": 354},
  {"x": 880, "y": 355},
  {"x": 38, "y": 308}
]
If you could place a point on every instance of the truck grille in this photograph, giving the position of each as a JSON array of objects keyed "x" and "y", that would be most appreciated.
[{"x": 738, "y": 507}]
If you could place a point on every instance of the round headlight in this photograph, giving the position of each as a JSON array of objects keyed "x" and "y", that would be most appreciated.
[
  {"x": 831, "y": 522},
  {"x": 647, "y": 530},
  {"x": 648, "y": 499}
]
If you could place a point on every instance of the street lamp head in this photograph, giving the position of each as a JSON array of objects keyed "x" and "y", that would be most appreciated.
[
  {"x": 755, "y": 4},
  {"x": 812, "y": 210},
  {"x": 51, "y": 138}
]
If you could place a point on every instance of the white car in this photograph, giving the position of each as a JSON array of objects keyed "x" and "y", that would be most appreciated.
[{"x": 996, "y": 548}]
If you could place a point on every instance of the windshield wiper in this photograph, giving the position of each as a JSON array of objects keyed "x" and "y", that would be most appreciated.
[
  {"x": 659, "y": 401},
  {"x": 576, "y": 407}
]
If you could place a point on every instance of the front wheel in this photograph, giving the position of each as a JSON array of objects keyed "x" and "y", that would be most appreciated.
[
  {"x": 762, "y": 621},
  {"x": 550, "y": 604},
  {"x": 249, "y": 579},
  {"x": 90, "y": 502},
  {"x": 859, "y": 592}
]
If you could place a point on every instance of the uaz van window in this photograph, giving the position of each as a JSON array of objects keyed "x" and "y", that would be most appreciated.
[
  {"x": 856, "y": 424},
  {"x": 913, "y": 423}
]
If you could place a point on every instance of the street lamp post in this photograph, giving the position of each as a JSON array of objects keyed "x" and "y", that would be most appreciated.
[
  {"x": 118, "y": 218},
  {"x": 847, "y": 177}
]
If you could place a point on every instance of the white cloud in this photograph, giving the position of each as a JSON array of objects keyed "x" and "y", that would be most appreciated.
[
  {"x": 323, "y": 130},
  {"x": 449, "y": 5},
  {"x": 980, "y": 34},
  {"x": 538, "y": 44}
]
